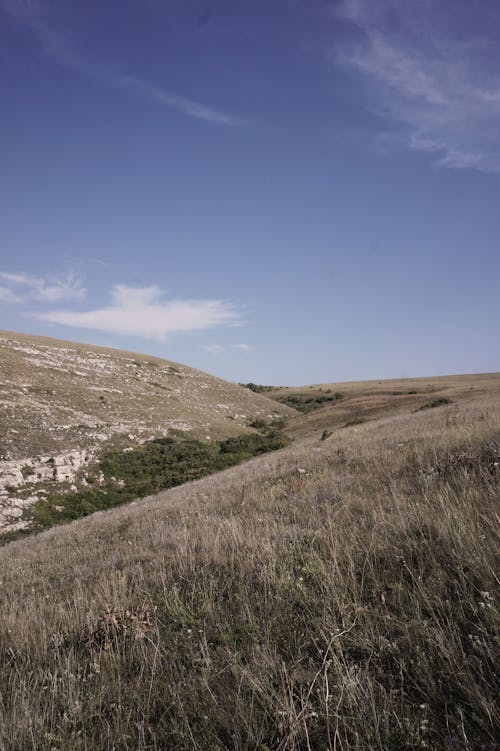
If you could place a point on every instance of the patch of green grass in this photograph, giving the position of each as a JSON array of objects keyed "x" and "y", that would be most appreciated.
[
  {"x": 278, "y": 423},
  {"x": 307, "y": 403},
  {"x": 435, "y": 403}
]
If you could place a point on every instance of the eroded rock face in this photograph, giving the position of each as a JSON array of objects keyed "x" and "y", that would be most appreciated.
[
  {"x": 20, "y": 474},
  {"x": 59, "y": 468}
]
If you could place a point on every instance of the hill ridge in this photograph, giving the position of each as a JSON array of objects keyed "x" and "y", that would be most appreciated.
[{"x": 63, "y": 403}]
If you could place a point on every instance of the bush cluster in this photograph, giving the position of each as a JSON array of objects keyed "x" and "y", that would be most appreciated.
[
  {"x": 258, "y": 388},
  {"x": 157, "y": 465},
  {"x": 435, "y": 403},
  {"x": 306, "y": 402}
]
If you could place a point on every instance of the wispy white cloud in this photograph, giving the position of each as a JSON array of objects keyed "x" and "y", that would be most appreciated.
[
  {"x": 156, "y": 94},
  {"x": 9, "y": 296},
  {"x": 25, "y": 287},
  {"x": 34, "y": 15},
  {"x": 219, "y": 349},
  {"x": 144, "y": 312},
  {"x": 214, "y": 349},
  {"x": 444, "y": 87}
]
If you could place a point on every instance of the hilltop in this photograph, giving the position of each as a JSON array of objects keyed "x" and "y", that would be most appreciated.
[{"x": 63, "y": 404}]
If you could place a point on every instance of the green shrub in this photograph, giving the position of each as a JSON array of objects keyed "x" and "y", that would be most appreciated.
[
  {"x": 436, "y": 403},
  {"x": 278, "y": 423},
  {"x": 257, "y": 388},
  {"x": 258, "y": 424},
  {"x": 156, "y": 465},
  {"x": 306, "y": 402}
]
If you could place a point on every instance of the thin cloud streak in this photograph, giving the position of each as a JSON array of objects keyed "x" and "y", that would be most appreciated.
[
  {"x": 143, "y": 312},
  {"x": 10, "y": 297},
  {"x": 29, "y": 287},
  {"x": 438, "y": 86},
  {"x": 33, "y": 14},
  {"x": 214, "y": 349},
  {"x": 220, "y": 349},
  {"x": 187, "y": 106}
]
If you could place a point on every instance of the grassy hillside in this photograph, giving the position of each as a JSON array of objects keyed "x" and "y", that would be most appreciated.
[
  {"x": 64, "y": 404},
  {"x": 127, "y": 475},
  {"x": 57, "y": 394},
  {"x": 330, "y": 406},
  {"x": 336, "y": 594}
]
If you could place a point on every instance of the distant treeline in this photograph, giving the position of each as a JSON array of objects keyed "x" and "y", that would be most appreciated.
[
  {"x": 303, "y": 402},
  {"x": 258, "y": 388}
]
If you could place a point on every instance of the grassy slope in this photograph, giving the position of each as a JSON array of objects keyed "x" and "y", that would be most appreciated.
[
  {"x": 351, "y": 607},
  {"x": 156, "y": 465},
  {"x": 59, "y": 395},
  {"x": 370, "y": 400}
]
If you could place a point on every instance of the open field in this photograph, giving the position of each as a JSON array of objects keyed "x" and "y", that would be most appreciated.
[
  {"x": 337, "y": 594},
  {"x": 332, "y": 405}
]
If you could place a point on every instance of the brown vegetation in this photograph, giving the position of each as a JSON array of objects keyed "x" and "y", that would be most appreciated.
[
  {"x": 351, "y": 605},
  {"x": 331, "y": 405}
]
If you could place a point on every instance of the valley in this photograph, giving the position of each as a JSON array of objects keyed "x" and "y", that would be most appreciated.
[{"x": 338, "y": 592}]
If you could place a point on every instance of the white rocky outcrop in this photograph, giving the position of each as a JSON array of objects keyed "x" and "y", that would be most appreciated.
[
  {"x": 23, "y": 473},
  {"x": 58, "y": 468}
]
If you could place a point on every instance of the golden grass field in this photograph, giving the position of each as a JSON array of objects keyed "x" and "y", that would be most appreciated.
[
  {"x": 368, "y": 400},
  {"x": 336, "y": 595}
]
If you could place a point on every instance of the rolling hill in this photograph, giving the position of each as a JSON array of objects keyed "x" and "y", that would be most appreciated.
[
  {"x": 63, "y": 404},
  {"x": 330, "y": 406},
  {"x": 339, "y": 593}
]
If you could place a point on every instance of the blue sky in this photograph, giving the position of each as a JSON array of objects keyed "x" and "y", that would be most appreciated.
[{"x": 283, "y": 192}]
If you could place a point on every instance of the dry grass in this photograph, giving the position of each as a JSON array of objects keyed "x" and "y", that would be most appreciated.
[
  {"x": 58, "y": 395},
  {"x": 64, "y": 404},
  {"x": 370, "y": 400},
  {"x": 349, "y": 607}
]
